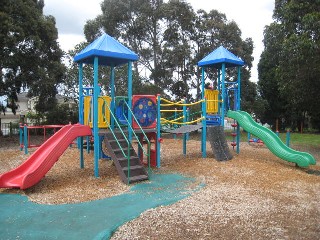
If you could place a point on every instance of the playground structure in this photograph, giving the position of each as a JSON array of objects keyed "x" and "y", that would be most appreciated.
[
  {"x": 117, "y": 126},
  {"x": 101, "y": 123},
  {"x": 122, "y": 121}
]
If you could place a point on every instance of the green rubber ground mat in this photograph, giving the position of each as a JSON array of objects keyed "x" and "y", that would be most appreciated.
[{"x": 22, "y": 219}]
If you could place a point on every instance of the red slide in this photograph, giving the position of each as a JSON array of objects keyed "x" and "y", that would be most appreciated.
[{"x": 41, "y": 161}]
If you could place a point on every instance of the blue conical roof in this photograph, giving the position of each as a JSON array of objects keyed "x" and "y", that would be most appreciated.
[
  {"x": 219, "y": 56},
  {"x": 108, "y": 50}
]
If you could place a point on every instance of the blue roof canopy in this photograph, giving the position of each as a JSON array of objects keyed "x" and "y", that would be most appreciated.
[
  {"x": 109, "y": 51},
  {"x": 219, "y": 56}
]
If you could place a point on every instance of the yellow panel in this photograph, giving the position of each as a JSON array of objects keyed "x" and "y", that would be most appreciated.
[
  {"x": 103, "y": 111},
  {"x": 86, "y": 110},
  {"x": 212, "y": 106}
]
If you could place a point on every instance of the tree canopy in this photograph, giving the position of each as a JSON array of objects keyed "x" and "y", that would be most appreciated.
[
  {"x": 289, "y": 66},
  {"x": 30, "y": 57},
  {"x": 170, "y": 38}
]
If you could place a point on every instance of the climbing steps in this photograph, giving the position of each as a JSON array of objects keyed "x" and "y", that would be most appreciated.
[
  {"x": 137, "y": 171},
  {"x": 219, "y": 143}
]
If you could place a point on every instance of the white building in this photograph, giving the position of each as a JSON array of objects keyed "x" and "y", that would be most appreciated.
[
  {"x": 21, "y": 111},
  {"x": 25, "y": 105}
]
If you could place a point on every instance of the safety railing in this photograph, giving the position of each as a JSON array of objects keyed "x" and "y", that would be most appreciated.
[
  {"x": 169, "y": 103},
  {"x": 180, "y": 103},
  {"x": 183, "y": 123},
  {"x": 137, "y": 138},
  {"x": 119, "y": 126},
  {"x": 185, "y": 119},
  {"x": 184, "y": 112},
  {"x": 127, "y": 156}
]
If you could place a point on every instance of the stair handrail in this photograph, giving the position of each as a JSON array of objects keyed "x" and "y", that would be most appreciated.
[
  {"x": 105, "y": 103},
  {"x": 142, "y": 131}
]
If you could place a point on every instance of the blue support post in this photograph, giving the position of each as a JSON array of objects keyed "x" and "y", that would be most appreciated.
[
  {"x": 88, "y": 144},
  {"x": 158, "y": 131},
  {"x": 184, "y": 135},
  {"x": 130, "y": 99},
  {"x": 25, "y": 136},
  {"x": 238, "y": 107},
  {"x": 188, "y": 119},
  {"x": 204, "y": 129},
  {"x": 81, "y": 117},
  {"x": 204, "y": 122},
  {"x": 288, "y": 138},
  {"x": 175, "y": 125},
  {"x": 21, "y": 136},
  {"x": 239, "y": 89},
  {"x": 202, "y": 83},
  {"x": 223, "y": 94},
  {"x": 96, "y": 92},
  {"x": 81, "y": 121},
  {"x": 112, "y": 107},
  {"x": 100, "y": 146},
  {"x": 249, "y": 136}
]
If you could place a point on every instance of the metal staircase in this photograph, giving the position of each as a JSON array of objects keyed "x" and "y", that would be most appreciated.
[{"x": 125, "y": 158}]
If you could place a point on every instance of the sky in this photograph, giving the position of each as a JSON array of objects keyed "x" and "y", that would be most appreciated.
[{"x": 250, "y": 15}]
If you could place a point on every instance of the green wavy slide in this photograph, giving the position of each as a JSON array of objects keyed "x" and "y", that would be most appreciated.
[{"x": 271, "y": 140}]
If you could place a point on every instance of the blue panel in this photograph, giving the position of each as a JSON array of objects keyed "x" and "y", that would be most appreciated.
[
  {"x": 145, "y": 110},
  {"x": 122, "y": 112},
  {"x": 213, "y": 120}
]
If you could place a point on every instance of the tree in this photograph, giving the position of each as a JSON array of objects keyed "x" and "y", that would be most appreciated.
[
  {"x": 212, "y": 30},
  {"x": 290, "y": 61},
  {"x": 62, "y": 114},
  {"x": 268, "y": 81},
  {"x": 29, "y": 55},
  {"x": 178, "y": 59},
  {"x": 170, "y": 39},
  {"x": 137, "y": 24},
  {"x": 69, "y": 88}
]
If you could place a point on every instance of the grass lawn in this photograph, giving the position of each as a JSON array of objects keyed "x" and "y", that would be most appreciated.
[{"x": 304, "y": 139}]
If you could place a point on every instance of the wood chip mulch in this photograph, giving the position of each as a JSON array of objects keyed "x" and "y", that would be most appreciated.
[{"x": 254, "y": 196}]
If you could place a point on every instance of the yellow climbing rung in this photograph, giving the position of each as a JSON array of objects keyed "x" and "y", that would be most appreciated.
[{"x": 212, "y": 97}]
